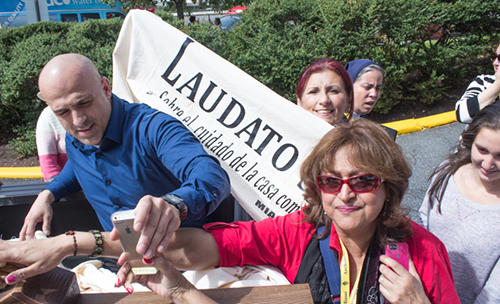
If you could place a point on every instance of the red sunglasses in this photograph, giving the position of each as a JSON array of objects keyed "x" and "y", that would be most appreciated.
[{"x": 359, "y": 183}]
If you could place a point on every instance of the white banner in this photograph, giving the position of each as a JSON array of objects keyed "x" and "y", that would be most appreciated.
[{"x": 259, "y": 137}]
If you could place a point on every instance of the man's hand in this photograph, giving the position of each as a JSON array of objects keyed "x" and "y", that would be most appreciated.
[
  {"x": 41, "y": 211},
  {"x": 157, "y": 220}
]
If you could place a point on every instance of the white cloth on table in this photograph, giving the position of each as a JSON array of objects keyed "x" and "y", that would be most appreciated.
[
  {"x": 92, "y": 278},
  {"x": 228, "y": 277}
]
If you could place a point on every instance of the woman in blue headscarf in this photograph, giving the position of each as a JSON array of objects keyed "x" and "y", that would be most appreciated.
[{"x": 367, "y": 78}]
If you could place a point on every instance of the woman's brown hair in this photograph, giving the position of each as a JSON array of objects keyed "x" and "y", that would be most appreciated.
[{"x": 374, "y": 152}]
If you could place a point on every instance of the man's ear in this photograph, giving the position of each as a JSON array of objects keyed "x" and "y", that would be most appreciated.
[{"x": 106, "y": 86}]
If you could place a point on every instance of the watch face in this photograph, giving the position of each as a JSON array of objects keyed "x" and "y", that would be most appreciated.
[
  {"x": 176, "y": 199},
  {"x": 172, "y": 198}
]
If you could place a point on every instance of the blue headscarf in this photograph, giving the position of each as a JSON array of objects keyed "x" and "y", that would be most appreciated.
[{"x": 355, "y": 66}]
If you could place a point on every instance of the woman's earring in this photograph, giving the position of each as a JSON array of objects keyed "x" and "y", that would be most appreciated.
[{"x": 384, "y": 209}]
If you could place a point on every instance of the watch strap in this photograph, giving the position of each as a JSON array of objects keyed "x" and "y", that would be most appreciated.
[{"x": 178, "y": 203}]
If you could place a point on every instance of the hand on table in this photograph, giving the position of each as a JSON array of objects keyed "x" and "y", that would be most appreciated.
[{"x": 40, "y": 211}]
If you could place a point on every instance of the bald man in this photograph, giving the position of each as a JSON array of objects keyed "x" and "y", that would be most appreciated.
[{"x": 123, "y": 156}]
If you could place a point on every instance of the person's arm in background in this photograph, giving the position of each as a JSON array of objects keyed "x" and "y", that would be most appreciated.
[
  {"x": 482, "y": 91},
  {"x": 50, "y": 144},
  {"x": 491, "y": 93},
  {"x": 41, "y": 210}
]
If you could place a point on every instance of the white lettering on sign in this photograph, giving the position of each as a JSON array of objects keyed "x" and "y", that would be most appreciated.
[
  {"x": 68, "y": 2},
  {"x": 13, "y": 16}
]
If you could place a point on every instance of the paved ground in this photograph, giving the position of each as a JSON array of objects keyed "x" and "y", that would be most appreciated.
[
  {"x": 14, "y": 181},
  {"x": 425, "y": 150}
]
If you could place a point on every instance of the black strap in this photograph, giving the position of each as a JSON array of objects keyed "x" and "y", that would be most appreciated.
[
  {"x": 312, "y": 272},
  {"x": 331, "y": 266}
]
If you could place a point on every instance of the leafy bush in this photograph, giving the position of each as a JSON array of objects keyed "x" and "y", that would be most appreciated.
[
  {"x": 278, "y": 38},
  {"x": 25, "y": 143},
  {"x": 167, "y": 16},
  {"x": 26, "y": 50}
]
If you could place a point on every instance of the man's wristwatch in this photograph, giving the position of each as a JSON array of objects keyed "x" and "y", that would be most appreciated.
[{"x": 178, "y": 204}]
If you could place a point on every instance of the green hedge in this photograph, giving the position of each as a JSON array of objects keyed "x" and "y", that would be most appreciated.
[{"x": 276, "y": 39}]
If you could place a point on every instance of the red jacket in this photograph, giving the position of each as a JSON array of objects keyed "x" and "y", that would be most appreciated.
[{"x": 282, "y": 242}]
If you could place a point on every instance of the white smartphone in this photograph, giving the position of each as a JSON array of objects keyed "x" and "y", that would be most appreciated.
[{"x": 123, "y": 221}]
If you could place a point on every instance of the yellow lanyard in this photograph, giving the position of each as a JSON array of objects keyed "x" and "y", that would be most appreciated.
[
  {"x": 348, "y": 116},
  {"x": 345, "y": 285}
]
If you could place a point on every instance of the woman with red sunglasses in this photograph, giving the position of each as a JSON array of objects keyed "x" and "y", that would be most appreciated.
[
  {"x": 355, "y": 180},
  {"x": 482, "y": 91}
]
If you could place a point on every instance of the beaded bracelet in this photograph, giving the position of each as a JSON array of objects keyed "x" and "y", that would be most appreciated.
[
  {"x": 75, "y": 246},
  {"x": 98, "y": 243}
]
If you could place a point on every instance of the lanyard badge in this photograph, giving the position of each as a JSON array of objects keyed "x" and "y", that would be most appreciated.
[{"x": 347, "y": 296}]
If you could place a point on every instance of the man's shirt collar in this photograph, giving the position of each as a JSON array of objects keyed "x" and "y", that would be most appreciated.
[{"x": 114, "y": 130}]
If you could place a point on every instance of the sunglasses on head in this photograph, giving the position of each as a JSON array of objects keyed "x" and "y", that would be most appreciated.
[
  {"x": 495, "y": 57},
  {"x": 359, "y": 183}
]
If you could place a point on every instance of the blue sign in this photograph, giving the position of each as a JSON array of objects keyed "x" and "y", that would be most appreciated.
[
  {"x": 14, "y": 12},
  {"x": 13, "y": 8}
]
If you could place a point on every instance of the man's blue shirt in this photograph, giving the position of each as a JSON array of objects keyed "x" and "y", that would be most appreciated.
[{"x": 144, "y": 151}]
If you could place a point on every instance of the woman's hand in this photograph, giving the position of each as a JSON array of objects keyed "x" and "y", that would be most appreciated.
[
  {"x": 168, "y": 282},
  {"x": 39, "y": 256},
  {"x": 398, "y": 285}
]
